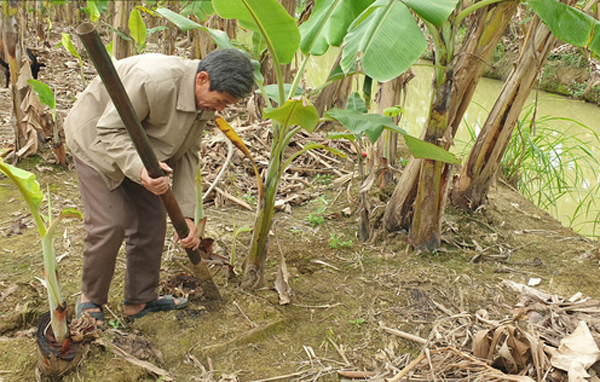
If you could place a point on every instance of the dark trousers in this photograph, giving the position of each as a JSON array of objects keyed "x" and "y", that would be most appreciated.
[{"x": 129, "y": 212}]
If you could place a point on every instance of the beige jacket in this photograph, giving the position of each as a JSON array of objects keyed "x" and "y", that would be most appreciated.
[{"x": 161, "y": 89}]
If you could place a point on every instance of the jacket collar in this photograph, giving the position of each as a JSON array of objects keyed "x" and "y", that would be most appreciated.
[{"x": 186, "y": 99}]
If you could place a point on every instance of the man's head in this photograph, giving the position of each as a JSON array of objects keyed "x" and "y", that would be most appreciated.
[{"x": 224, "y": 77}]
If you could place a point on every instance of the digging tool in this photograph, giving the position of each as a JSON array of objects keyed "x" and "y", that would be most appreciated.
[{"x": 92, "y": 43}]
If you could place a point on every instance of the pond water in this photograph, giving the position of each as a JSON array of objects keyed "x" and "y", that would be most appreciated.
[{"x": 564, "y": 114}]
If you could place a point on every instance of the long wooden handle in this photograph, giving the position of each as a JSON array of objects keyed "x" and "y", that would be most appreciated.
[{"x": 99, "y": 56}]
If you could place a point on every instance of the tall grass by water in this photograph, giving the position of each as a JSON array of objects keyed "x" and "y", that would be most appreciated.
[{"x": 552, "y": 165}]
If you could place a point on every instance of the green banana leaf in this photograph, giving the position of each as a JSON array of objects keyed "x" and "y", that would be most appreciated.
[
  {"x": 259, "y": 45},
  {"x": 348, "y": 136},
  {"x": 356, "y": 102},
  {"x": 569, "y": 24},
  {"x": 272, "y": 91},
  {"x": 426, "y": 150},
  {"x": 202, "y": 9},
  {"x": 102, "y": 6},
  {"x": 221, "y": 38},
  {"x": 68, "y": 45},
  {"x": 372, "y": 126},
  {"x": 270, "y": 19},
  {"x": 389, "y": 39},
  {"x": 44, "y": 92},
  {"x": 393, "y": 111},
  {"x": 185, "y": 24},
  {"x": 66, "y": 213},
  {"x": 28, "y": 186},
  {"x": 359, "y": 123},
  {"x": 137, "y": 27},
  {"x": 298, "y": 112},
  {"x": 328, "y": 23},
  {"x": 436, "y": 12},
  {"x": 92, "y": 11},
  {"x": 118, "y": 32}
]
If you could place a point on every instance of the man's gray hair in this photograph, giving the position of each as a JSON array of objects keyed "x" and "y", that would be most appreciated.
[{"x": 230, "y": 70}]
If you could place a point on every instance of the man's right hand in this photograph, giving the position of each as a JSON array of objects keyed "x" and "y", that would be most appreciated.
[{"x": 157, "y": 186}]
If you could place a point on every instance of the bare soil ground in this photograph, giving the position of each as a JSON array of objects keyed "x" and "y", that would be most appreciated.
[
  {"x": 343, "y": 298},
  {"x": 349, "y": 302}
]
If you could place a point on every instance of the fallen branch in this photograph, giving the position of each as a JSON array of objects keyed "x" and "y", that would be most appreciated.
[
  {"x": 234, "y": 199},
  {"x": 318, "y": 306},
  {"x": 244, "y": 314},
  {"x": 223, "y": 169},
  {"x": 408, "y": 336},
  {"x": 356, "y": 374},
  {"x": 339, "y": 350},
  {"x": 279, "y": 377},
  {"x": 528, "y": 291},
  {"x": 407, "y": 369}
]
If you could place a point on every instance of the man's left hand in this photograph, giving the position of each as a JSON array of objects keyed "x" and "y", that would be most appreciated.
[{"x": 191, "y": 241}]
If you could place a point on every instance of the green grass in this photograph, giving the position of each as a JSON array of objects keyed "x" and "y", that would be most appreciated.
[
  {"x": 335, "y": 242},
  {"x": 316, "y": 218},
  {"x": 552, "y": 163},
  {"x": 548, "y": 163}
]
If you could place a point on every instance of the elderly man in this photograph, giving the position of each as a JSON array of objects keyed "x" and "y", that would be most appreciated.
[{"x": 173, "y": 97}]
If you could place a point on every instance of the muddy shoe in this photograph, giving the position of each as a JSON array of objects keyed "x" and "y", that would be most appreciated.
[
  {"x": 88, "y": 308},
  {"x": 160, "y": 304}
]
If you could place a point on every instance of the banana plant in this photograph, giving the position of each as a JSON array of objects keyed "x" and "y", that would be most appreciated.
[
  {"x": 69, "y": 47},
  {"x": 30, "y": 190},
  {"x": 48, "y": 98},
  {"x": 568, "y": 24},
  {"x": 92, "y": 10},
  {"x": 138, "y": 30},
  {"x": 356, "y": 119},
  {"x": 288, "y": 113},
  {"x": 372, "y": 42}
]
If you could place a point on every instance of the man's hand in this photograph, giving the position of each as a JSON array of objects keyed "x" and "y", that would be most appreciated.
[
  {"x": 157, "y": 186},
  {"x": 192, "y": 240}
]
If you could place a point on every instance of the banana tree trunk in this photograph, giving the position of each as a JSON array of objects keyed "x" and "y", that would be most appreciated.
[
  {"x": 480, "y": 167},
  {"x": 335, "y": 94},
  {"x": 121, "y": 47},
  {"x": 487, "y": 26},
  {"x": 398, "y": 212},
  {"x": 200, "y": 43},
  {"x": 418, "y": 201},
  {"x": 169, "y": 35},
  {"x": 203, "y": 43},
  {"x": 390, "y": 93},
  {"x": 364, "y": 232},
  {"x": 26, "y": 141},
  {"x": 55, "y": 359},
  {"x": 38, "y": 23},
  {"x": 433, "y": 176},
  {"x": 254, "y": 269}
]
